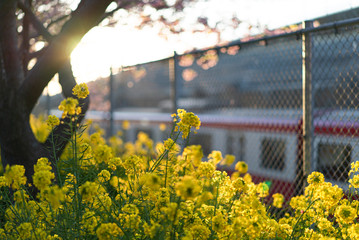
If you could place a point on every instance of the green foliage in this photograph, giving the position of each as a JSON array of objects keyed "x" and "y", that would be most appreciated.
[{"x": 120, "y": 190}]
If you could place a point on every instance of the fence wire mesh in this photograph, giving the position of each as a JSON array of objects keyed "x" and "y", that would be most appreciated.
[
  {"x": 252, "y": 96},
  {"x": 249, "y": 98},
  {"x": 335, "y": 88}
]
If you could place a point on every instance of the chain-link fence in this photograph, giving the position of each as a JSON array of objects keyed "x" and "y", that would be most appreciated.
[{"x": 287, "y": 105}]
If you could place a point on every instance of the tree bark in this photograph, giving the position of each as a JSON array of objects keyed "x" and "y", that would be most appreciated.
[
  {"x": 59, "y": 136},
  {"x": 84, "y": 18},
  {"x": 19, "y": 94}
]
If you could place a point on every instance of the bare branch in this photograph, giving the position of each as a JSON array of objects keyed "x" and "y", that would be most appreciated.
[
  {"x": 57, "y": 20},
  {"x": 25, "y": 40},
  {"x": 59, "y": 136},
  {"x": 8, "y": 38},
  {"x": 120, "y": 5},
  {"x": 109, "y": 14},
  {"x": 67, "y": 80},
  {"x": 35, "y": 21},
  {"x": 2, "y": 74},
  {"x": 84, "y": 18},
  {"x": 37, "y": 54}
]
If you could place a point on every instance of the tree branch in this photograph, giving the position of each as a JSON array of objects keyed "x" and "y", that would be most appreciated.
[
  {"x": 25, "y": 40},
  {"x": 57, "y": 20},
  {"x": 9, "y": 44},
  {"x": 120, "y": 5},
  {"x": 37, "y": 54},
  {"x": 35, "y": 21},
  {"x": 84, "y": 18},
  {"x": 2, "y": 75},
  {"x": 60, "y": 135}
]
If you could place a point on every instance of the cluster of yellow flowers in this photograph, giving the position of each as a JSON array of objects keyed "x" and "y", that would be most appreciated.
[
  {"x": 121, "y": 190},
  {"x": 70, "y": 106},
  {"x": 185, "y": 121}
]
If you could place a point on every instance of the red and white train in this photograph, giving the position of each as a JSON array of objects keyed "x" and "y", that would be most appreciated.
[{"x": 269, "y": 141}]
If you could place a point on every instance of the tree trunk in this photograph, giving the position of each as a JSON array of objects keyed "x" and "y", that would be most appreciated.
[
  {"x": 18, "y": 143},
  {"x": 19, "y": 93}
]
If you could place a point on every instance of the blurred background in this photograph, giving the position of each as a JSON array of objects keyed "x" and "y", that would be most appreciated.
[{"x": 278, "y": 94}]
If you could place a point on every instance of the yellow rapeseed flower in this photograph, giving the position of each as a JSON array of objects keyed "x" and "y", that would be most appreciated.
[
  {"x": 262, "y": 190},
  {"x": 114, "y": 181},
  {"x": 169, "y": 144},
  {"x": 21, "y": 196},
  {"x": 42, "y": 164},
  {"x": 43, "y": 176},
  {"x": 81, "y": 90},
  {"x": 188, "y": 188},
  {"x": 206, "y": 169},
  {"x": 278, "y": 200},
  {"x": 89, "y": 221},
  {"x": 215, "y": 157},
  {"x": 187, "y": 120},
  {"x": 102, "y": 153},
  {"x": 241, "y": 167},
  {"x": 298, "y": 203},
  {"x": 151, "y": 180},
  {"x": 15, "y": 176},
  {"x": 52, "y": 121},
  {"x": 354, "y": 167},
  {"x": 97, "y": 139},
  {"x": 219, "y": 223},
  {"x": 88, "y": 191},
  {"x": 151, "y": 230},
  {"x": 54, "y": 195},
  {"x": 239, "y": 185},
  {"x": 228, "y": 160},
  {"x": 199, "y": 231},
  {"x": 162, "y": 127},
  {"x": 345, "y": 214},
  {"x": 354, "y": 182},
  {"x": 43, "y": 179},
  {"x": 126, "y": 125},
  {"x": 130, "y": 209},
  {"x": 104, "y": 176},
  {"x": 69, "y": 106},
  {"x": 24, "y": 230},
  {"x": 193, "y": 154},
  {"x": 315, "y": 178},
  {"x": 108, "y": 231},
  {"x": 353, "y": 231}
]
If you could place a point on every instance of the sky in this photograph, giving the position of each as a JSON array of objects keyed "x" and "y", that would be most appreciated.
[{"x": 105, "y": 47}]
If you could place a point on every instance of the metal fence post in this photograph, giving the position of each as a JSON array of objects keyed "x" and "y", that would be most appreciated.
[
  {"x": 111, "y": 102},
  {"x": 307, "y": 100},
  {"x": 173, "y": 81}
]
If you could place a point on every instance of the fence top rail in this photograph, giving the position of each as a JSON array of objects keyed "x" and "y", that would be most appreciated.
[
  {"x": 298, "y": 34},
  {"x": 334, "y": 25}
]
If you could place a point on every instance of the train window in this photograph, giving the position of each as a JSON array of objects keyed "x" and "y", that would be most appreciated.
[
  {"x": 235, "y": 146},
  {"x": 241, "y": 149},
  {"x": 230, "y": 145},
  {"x": 205, "y": 140},
  {"x": 273, "y": 154},
  {"x": 334, "y": 161}
]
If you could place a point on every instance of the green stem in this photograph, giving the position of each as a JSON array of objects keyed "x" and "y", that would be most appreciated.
[
  {"x": 300, "y": 217},
  {"x": 55, "y": 159}
]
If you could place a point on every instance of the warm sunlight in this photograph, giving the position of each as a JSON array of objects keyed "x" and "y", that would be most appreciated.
[
  {"x": 102, "y": 48},
  {"x": 105, "y": 47}
]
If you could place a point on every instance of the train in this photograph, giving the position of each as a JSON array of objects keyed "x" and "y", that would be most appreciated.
[{"x": 269, "y": 141}]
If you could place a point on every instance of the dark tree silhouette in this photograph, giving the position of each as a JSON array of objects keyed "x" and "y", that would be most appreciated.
[{"x": 21, "y": 22}]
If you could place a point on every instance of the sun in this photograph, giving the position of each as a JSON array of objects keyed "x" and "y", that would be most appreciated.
[{"x": 106, "y": 47}]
